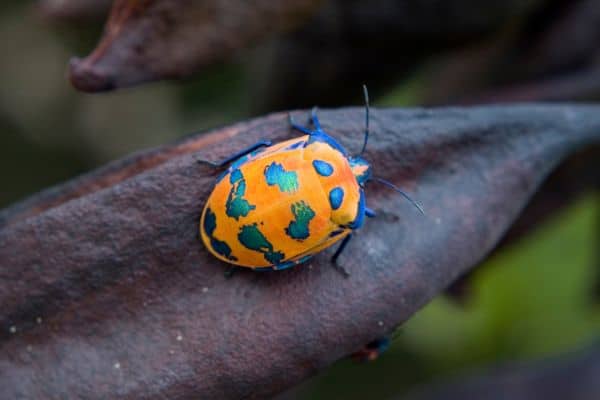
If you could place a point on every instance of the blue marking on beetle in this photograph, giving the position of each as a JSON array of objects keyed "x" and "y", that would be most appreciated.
[
  {"x": 277, "y": 175},
  {"x": 285, "y": 265},
  {"x": 323, "y": 168},
  {"x": 336, "y": 196},
  {"x": 236, "y": 175},
  {"x": 252, "y": 238},
  {"x": 239, "y": 162},
  {"x": 295, "y": 145},
  {"x": 304, "y": 259},
  {"x": 298, "y": 228},
  {"x": 244, "y": 159},
  {"x": 360, "y": 215},
  {"x": 236, "y": 206},
  {"x": 219, "y": 246}
]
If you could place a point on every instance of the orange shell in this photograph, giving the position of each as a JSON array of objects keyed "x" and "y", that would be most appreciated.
[{"x": 273, "y": 207}]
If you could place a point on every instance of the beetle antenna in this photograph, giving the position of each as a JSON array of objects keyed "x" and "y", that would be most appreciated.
[
  {"x": 366, "y": 94},
  {"x": 397, "y": 189}
]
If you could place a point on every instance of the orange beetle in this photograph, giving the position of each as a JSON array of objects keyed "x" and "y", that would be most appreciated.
[{"x": 278, "y": 205}]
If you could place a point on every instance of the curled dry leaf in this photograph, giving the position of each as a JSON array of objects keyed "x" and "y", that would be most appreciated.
[
  {"x": 107, "y": 292},
  {"x": 340, "y": 40},
  {"x": 157, "y": 39},
  {"x": 73, "y": 10}
]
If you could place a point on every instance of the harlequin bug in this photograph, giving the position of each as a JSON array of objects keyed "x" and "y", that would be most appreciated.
[{"x": 277, "y": 205}]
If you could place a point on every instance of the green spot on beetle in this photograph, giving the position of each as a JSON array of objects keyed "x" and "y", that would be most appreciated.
[
  {"x": 303, "y": 214},
  {"x": 219, "y": 246},
  {"x": 277, "y": 175},
  {"x": 236, "y": 206},
  {"x": 252, "y": 238}
]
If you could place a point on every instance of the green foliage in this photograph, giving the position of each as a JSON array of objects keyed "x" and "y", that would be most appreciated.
[
  {"x": 409, "y": 93},
  {"x": 532, "y": 299}
]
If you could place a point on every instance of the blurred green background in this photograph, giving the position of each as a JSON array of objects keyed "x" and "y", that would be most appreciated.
[{"x": 534, "y": 298}]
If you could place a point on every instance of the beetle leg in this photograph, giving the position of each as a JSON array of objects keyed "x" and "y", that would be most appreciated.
[
  {"x": 257, "y": 145},
  {"x": 342, "y": 270},
  {"x": 370, "y": 213},
  {"x": 298, "y": 127},
  {"x": 337, "y": 254}
]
